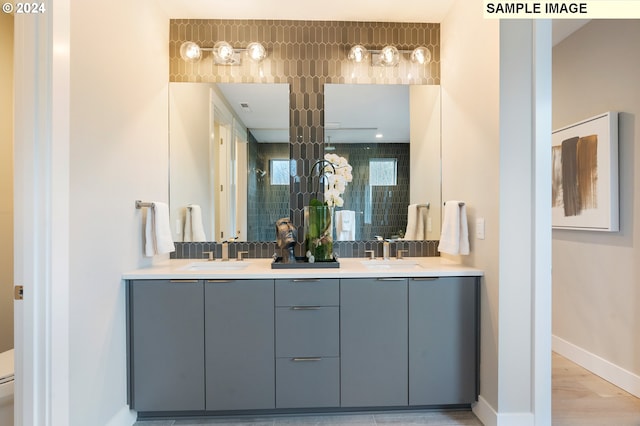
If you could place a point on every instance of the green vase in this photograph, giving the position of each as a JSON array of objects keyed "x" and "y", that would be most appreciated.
[{"x": 318, "y": 232}]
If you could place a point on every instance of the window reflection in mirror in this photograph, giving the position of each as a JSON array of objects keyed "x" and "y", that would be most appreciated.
[{"x": 222, "y": 140}]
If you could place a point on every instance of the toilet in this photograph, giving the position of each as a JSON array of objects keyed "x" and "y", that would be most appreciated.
[{"x": 6, "y": 387}]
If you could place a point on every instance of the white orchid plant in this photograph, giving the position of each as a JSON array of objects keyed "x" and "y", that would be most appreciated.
[{"x": 337, "y": 174}]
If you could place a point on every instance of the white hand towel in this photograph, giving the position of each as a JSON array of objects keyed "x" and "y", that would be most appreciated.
[
  {"x": 454, "y": 238},
  {"x": 158, "y": 230},
  {"x": 412, "y": 222},
  {"x": 193, "y": 227},
  {"x": 187, "y": 232},
  {"x": 345, "y": 225}
]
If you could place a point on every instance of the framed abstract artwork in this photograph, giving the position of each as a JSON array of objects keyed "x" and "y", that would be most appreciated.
[{"x": 585, "y": 175}]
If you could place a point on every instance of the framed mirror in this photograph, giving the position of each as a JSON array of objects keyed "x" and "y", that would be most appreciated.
[
  {"x": 229, "y": 156},
  {"x": 390, "y": 135}
]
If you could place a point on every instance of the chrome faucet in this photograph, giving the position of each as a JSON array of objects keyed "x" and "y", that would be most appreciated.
[
  {"x": 241, "y": 254},
  {"x": 386, "y": 249},
  {"x": 400, "y": 254},
  {"x": 210, "y": 255}
]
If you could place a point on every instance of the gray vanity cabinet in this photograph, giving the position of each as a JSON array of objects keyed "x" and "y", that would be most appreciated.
[
  {"x": 239, "y": 344},
  {"x": 443, "y": 340},
  {"x": 166, "y": 349},
  {"x": 374, "y": 342},
  {"x": 307, "y": 343},
  {"x": 200, "y": 346}
]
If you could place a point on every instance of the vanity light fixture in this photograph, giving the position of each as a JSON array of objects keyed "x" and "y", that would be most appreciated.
[
  {"x": 388, "y": 56},
  {"x": 223, "y": 52}
]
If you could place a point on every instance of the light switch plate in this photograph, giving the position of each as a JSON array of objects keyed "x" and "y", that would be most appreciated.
[{"x": 480, "y": 228}]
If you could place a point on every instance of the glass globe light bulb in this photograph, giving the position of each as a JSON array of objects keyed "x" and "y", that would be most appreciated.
[
  {"x": 389, "y": 56},
  {"x": 421, "y": 55},
  {"x": 223, "y": 51},
  {"x": 256, "y": 51},
  {"x": 358, "y": 53},
  {"x": 190, "y": 51}
]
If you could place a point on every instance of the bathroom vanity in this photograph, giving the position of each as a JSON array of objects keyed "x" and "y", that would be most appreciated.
[{"x": 242, "y": 338}]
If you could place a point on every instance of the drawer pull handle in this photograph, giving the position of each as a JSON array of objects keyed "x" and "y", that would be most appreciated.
[
  {"x": 183, "y": 281},
  {"x": 391, "y": 279},
  {"x": 305, "y": 308},
  {"x": 220, "y": 281},
  {"x": 306, "y": 280},
  {"x": 306, "y": 359},
  {"x": 424, "y": 279}
]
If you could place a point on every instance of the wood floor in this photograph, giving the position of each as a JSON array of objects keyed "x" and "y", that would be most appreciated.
[{"x": 579, "y": 398}]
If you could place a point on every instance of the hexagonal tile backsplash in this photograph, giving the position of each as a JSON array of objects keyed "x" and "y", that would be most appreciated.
[{"x": 306, "y": 55}]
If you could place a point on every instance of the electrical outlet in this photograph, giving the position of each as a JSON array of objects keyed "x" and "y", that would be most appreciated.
[{"x": 480, "y": 228}]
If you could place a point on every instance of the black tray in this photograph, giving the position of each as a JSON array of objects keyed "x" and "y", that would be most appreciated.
[{"x": 303, "y": 263}]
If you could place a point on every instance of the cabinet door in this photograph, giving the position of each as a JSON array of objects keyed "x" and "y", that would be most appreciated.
[
  {"x": 239, "y": 339},
  {"x": 307, "y": 331},
  {"x": 308, "y": 383},
  {"x": 166, "y": 321},
  {"x": 373, "y": 339},
  {"x": 443, "y": 341}
]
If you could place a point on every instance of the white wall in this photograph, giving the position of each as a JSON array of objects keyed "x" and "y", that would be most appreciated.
[
  {"x": 118, "y": 153},
  {"x": 596, "y": 276},
  {"x": 471, "y": 153},
  {"x": 6, "y": 181}
]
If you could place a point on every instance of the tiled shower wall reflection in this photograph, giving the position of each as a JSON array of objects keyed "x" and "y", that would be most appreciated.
[
  {"x": 306, "y": 55},
  {"x": 268, "y": 202}
]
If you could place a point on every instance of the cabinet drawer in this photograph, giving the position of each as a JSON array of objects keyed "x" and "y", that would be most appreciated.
[
  {"x": 311, "y": 382},
  {"x": 307, "y": 331},
  {"x": 315, "y": 292}
]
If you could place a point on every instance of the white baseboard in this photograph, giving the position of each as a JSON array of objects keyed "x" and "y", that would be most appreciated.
[
  {"x": 485, "y": 412},
  {"x": 620, "y": 377},
  {"x": 489, "y": 417},
  {"x": 124, "y": 417}
]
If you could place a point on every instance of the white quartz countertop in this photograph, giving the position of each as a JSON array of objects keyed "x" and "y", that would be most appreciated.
[{"x": 261, "y": 268}]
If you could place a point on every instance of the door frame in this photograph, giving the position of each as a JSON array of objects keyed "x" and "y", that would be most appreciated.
[{"x": 41, "y": 204}]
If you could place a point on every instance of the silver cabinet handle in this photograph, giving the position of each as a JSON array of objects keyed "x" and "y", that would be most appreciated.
[
  {"x": 390, "y": 279},
  {"x": 305, "y": 308},
  {"x": 183, "y": 281},
  {"x": 306, "y": 359},
  {"x": 424, "y": 279},
  {"x": 220, "y": 281},
  {"x": 306, "y": 280}
]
